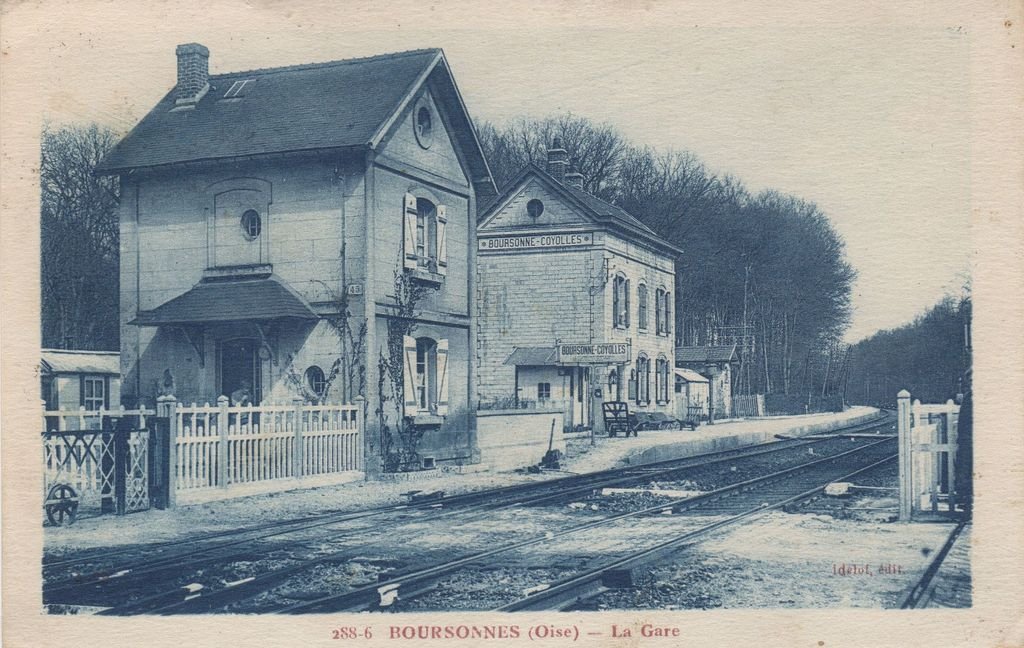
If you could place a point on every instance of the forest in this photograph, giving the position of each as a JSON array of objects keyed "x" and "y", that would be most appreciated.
[{"x": 929, "y": 357}]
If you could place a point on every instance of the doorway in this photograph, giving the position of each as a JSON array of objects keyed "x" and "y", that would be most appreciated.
[{"x": 240, "y": 367}]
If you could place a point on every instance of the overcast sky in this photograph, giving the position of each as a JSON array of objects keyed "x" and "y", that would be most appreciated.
[{"x": 868, "y": 118}]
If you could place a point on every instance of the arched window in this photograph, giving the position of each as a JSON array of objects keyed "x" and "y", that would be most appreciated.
[
  {"x": 643, "y": 377},
  {"x": 425, "y": 244},
  {"x": 663, "y": 311},
  {"x": 620, "y": 301},
  {"x": 425, "y": 372},
  {"x": 661, "y": 378},
  {"x": 641, "y": 305}
]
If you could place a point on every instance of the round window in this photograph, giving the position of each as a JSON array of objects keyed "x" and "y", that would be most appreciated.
[
  {"x": 424, "y": 123},
  {"x": 316, "y": 380},
  {"x": 535, "y": 208},
  {"x": 252, "y": 225}
]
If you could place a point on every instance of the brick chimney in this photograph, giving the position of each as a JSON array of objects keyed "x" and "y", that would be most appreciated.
[
  {"x": 574, "y": 178},
  {"x": 193, "y": 72},
  {"x": 558, "y": 160}
]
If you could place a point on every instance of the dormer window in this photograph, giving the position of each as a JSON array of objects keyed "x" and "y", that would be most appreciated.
[{"x": 236, "y": 89}]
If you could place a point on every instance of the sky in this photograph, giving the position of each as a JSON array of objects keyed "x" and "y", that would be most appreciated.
[{"x": 867, "y": 116}]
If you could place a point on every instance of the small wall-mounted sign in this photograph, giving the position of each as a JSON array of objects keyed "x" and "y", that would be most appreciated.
[{"x": 355, "y": 289}]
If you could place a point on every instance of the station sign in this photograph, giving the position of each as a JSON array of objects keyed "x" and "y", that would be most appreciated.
[
  {"x": 535, "y": 241},
  {"x": 608, "y": 353}
]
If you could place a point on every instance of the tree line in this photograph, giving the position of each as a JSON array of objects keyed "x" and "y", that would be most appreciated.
[
  {"x": 929, "y": 357},
  {"x": 765, "y": 271}
]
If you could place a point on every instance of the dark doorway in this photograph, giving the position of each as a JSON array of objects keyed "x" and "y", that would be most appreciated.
[{"x": 240, "y": 368}]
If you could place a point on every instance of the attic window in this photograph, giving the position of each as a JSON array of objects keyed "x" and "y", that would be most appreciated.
[
  {"x": 423, "y": 124},
  {"x": 235, "y": 91}
]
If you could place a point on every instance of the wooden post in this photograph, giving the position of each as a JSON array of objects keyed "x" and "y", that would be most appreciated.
[
  {"x": 298, "y": 456},
  {"x": 360, "y": 421},
  {"x": 167, "y": 406},
  {"x": 222, "y": 447},
  {"x": 905, "y": 436},
  {"x": 951, "y": 424}
]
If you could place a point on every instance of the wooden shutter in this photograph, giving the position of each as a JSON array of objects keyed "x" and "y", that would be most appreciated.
[
  {"x": 668, "y": 313},
  {"x": 442, "y": 377},
  {"x": 616, "y": 286},
  {"x": 410, "y": 258},
  {"x": 627, "y": 303},
  {"x": 442, "y": 239},
  {"x": 81, "y": 390},
  {"x": 409, "y": 372}
]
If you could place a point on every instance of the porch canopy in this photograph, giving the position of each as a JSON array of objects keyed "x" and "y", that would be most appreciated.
[
  {"x": 532, "y": 357},
  {"x": 213, "y": 301}
]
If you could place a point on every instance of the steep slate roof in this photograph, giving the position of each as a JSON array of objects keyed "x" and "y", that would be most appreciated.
[
  {"x": 334, "y": 105},
  {"x": 725, "y": 353},
  {"x": 93, "y": 362},
  {"x": 532, "y": 357},
  {"x": 601, "y": 211},
  {"x": 228, "y": 301}
]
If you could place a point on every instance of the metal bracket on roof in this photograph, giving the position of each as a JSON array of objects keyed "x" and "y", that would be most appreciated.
[
  {"x": 267, "y": 331},
  {"x": 195, "y": 337}
]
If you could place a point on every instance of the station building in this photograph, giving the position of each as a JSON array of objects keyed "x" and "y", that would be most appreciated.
[
  {"x": 574, "y": 300},
  {"x": 270, "y": 220}
]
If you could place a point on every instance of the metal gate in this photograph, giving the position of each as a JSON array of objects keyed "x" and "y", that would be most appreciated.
[{"x": 106, "y": 470}]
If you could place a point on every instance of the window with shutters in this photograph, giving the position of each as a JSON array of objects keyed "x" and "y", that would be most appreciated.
[
  {"x": 425, "y": 238},
  {"x": 643, "y": 378},
  {"x": 663, "y": 311},
  {"x": 93, "y": 392},
  {"x": 426, "y": 376},
  {"x": 620, "y": 302},
  {"x": 661, "y": 377},
  {"x": 641, "y": 306}
]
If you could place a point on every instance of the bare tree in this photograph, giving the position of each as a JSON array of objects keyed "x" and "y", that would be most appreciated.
[{"x": 79, "y": 240}]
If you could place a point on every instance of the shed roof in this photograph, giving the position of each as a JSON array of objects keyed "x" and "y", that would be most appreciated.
[
  {"x": 75, "y": 361},
  {"x": 532, "y": 356},
  {"x": 689, "y": 375},
  {"x": 234, "y": 300},
  {"x": 344, "y": 104},
  {"x": 724, "y": 353}
]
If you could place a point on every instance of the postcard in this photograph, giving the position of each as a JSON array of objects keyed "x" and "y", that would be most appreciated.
[{"x": 667, "y": 324}]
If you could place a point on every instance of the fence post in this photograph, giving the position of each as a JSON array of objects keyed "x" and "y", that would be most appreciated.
[
  {"x": 167, "y": 406},
  {"x": 905, "y": 437},
  {"x": 951, "y": 439},
  {"x": 298, "y": 456},
  {"x": 223, "y": 421},
  {"x": 360, "y": 421}
]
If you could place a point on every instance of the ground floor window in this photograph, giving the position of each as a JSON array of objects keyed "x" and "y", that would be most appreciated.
[
  {"x": 643, "y": 377},
  {"x": 426, "y": 376},
  {"x": 661, "y": 378},
  {"x": 544, "y": 391}
]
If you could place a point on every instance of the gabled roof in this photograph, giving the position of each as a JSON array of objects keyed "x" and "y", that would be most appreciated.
[
  {"x": 334, "y": 105},
  {"x": 726, "y": 353},
  {"x": 73, "y": 361},
  {"x": 602, "y": 212},
  {"x": 231, "y": 300}
]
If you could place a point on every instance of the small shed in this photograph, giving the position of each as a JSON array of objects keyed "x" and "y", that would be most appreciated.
[
  {"x": 692, "y": 391},
  {"x": 715, "y": 363},
  {"x": 72, "y": 379}
]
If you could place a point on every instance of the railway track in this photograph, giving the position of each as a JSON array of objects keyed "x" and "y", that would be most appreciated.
[{"x": 166, "y": 564}]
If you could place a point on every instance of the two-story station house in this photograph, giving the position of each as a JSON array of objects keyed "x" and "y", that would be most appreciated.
[
  {"x": 574, "y": 299},
  {"x": 272, "y": 222}
]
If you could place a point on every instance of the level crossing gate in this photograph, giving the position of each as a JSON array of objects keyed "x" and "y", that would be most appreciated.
[{"x": 927, "y": 458}]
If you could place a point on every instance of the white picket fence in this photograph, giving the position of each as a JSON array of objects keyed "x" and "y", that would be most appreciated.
[{"x": 217, "y": 446}]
